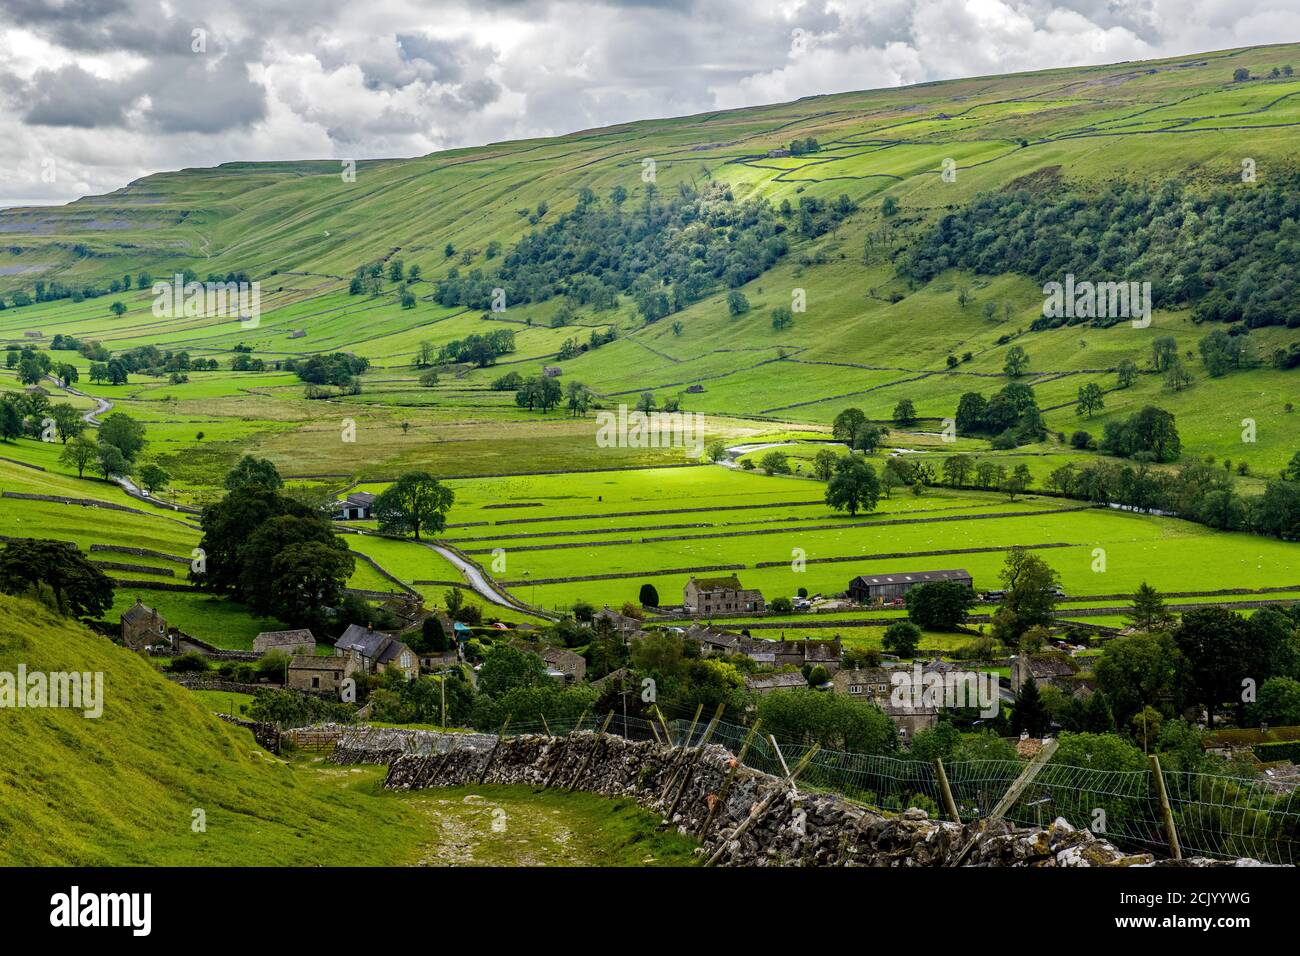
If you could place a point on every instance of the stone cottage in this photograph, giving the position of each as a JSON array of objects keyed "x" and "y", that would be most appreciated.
[
  {"x": 142, "y": 626},
  {"x": 316, "y": 673},
  {"x": 1050, "y": 667},
  {"x": 370, "y": 652}
]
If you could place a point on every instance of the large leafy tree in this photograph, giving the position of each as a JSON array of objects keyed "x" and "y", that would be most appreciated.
[
  {"x": 847, "y": 423},
  {"x": 79, "y": 454},
  {"x": 505, "y": 668},
  {"x": 415, "y": 502},
  {"x": 1029, "y": 582},
  {"x": 307, "y": 577},
  {"x": 1141, "y": 670},
  {"x": 254, "y": 471},
  {"x": 229, "y": 525},
  {"x": 124, "y": 433},
  {"x": 939, "y": 605},
  {"x": 39, "y": 567},
  {"x": 854, "y": 487},
  {"x": 1225, "y": 650},
  {"x": 835, "y": 721},
  {"x": 261, "y": 586}
]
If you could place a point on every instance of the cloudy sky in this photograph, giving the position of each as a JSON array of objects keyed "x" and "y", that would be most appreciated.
[{"x": 95, "y": 93}]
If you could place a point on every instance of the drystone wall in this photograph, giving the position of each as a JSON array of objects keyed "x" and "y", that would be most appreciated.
[{"x": 759, "y": 820}]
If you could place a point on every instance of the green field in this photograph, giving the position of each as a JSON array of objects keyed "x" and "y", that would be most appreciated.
[{"x": 869, "y": 337}]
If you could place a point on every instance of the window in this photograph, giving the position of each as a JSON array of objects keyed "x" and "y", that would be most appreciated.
[{"x": 315, "y": 683}]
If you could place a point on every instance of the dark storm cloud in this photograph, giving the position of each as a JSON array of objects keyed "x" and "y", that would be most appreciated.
[
  {"x": 192, "y": 93},
  {"x": 72, "y": 97}
]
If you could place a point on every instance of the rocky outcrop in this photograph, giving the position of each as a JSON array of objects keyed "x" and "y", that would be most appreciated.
[{"x": 759, "y": 820}]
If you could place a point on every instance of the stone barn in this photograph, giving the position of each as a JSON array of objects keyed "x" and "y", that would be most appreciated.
[
  {"x": 869, "y": 588},
  {"x": 298, "y": 641}
]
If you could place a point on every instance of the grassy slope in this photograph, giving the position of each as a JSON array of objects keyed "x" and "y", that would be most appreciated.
[
  {"x": 121, "y": 789},
  {"x": 294, "y": 226}
]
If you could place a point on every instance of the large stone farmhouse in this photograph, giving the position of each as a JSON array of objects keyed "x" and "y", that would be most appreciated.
[
  {"x": 874, "y": 684},
  {"x": 142, "y": 626},
  {"x": 371, "y": 652},
  {"x": 869, "y": 588},
  {"x": 708, "y": 596},
  {"x": 297, "y": 641}
]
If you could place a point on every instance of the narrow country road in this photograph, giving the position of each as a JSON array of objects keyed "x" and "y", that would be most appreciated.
[
  {"x": 103, "y": 406},
  {"x": 478, "y": 581}
]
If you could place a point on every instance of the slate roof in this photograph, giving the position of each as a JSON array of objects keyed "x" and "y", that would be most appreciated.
[
  {"x": 278, "y": 638},
  {"x": 729, "y": 583},
  {"x": 912, "y": 577},
  {"x": 1047, "y": 666},
  {"x": 776, "y": 681},
  {"x": 364, "y": 641},
  {"x": 303, "y": 662},
  {"x": 138, "y": 612}
]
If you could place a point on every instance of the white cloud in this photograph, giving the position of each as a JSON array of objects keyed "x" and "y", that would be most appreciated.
[{"x": 390, "y": 78}]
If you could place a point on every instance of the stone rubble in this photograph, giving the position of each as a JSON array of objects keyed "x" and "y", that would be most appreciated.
[{"x": 806, "y": 829}]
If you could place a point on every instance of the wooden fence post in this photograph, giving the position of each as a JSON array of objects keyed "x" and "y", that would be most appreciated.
[
  {"x": 949, "y": 803},
  {"x": 1166, "y": 809},
  {"x": 487, "y": 764},
  {"x": 591, "y": 753},
  {"x": 1010, "y": 797},
  {"x": 737, "y": 763}
]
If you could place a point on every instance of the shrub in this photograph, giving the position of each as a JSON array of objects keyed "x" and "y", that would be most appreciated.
[{"x": 193, "y": 662}]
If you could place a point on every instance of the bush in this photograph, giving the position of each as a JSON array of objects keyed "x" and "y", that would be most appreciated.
[
  {"x": 901, "y": 638},
  {"x": 1081, "y": 439},
  {"x": 835, "y": 721},
  {"x": 939, "y": 605},
  {"x": 288, "y": 708},
  {"x": 193, "y": 662}
]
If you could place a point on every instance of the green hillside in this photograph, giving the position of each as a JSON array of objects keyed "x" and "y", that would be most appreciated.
[
  {"x": 121, "y": 789},
  {"x": 870, "y": 335},
  {"x": 910, "y": 245}
]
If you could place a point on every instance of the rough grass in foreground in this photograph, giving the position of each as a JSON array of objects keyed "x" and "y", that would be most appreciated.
[{"x": 123, "y": 789}]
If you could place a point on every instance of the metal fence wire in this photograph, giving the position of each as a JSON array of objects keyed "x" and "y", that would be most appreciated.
[{"x": 1219, "y": 817}]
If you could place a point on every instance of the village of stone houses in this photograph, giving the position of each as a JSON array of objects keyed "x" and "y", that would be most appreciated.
[{"x": 902, "y": 478}]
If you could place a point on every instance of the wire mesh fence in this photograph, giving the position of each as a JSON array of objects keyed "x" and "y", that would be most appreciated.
[{"x": 1215, "y": 816}]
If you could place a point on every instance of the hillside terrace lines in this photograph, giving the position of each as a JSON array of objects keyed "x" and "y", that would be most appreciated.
[
  {"x": 862, "y": 525},
  {"x": 490, "y": 535},
  {"x": 836, "y": 559},
  {"x": 811, "y": 502}
]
